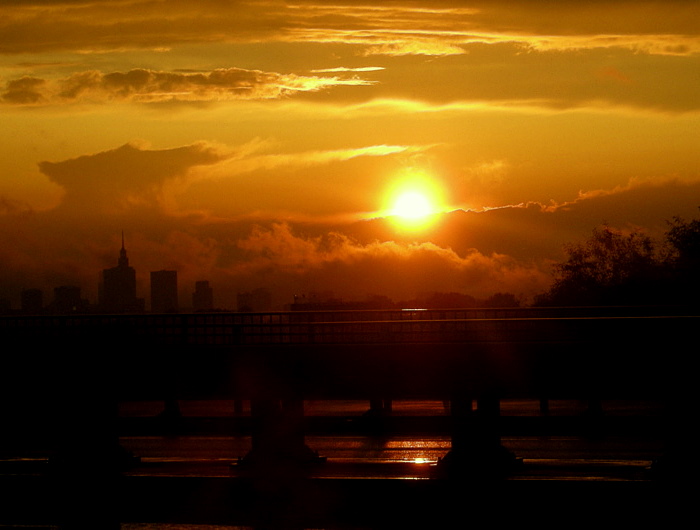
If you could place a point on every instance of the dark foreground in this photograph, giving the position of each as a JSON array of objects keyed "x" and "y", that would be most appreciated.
[{"x": 569, "y": 473}]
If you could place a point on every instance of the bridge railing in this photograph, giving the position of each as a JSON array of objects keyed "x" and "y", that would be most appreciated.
[{"x": 406, "y": 325}]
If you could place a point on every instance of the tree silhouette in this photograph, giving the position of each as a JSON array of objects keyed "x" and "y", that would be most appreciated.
[
  {"x": 610, "y": 268},
  {"x": 617, "y": 268},
  {"x": 683, "y": 238}
]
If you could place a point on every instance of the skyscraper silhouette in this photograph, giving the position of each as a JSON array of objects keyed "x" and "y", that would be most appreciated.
[{"x": 118, "y": 289}]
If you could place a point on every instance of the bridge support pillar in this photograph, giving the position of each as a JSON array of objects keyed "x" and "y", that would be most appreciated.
[
  {"x": 379, "y": 407},
  {"x": 278, "y": 434},
  {"x": 476, "y": 450}
]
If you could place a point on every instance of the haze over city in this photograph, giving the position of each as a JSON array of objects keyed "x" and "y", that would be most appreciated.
[{"x": 391, "y": 149}]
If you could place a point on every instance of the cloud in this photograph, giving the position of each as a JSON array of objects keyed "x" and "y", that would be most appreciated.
[
  {"x": 433, "y": 47},
  {"x": 488, "y": 174},
  {"x": 447, "y": 28},
  {"x": 673, "y": 45},
  {"x": 346, "y": 69},
  {"x": 25, "y": 91},
  {"x": 389, "y": 27},
  {"x": 352, "y": 270},
  {"x": 99, "y": 26},
  {"x": 655, "y": 28},
  {"x": 123, "y": 178},
  {"x": 149, "y": 86},
  {"x": 203, "y": 179},
  {"x": 10, "y": 206},
  {"x": 645, "y": 203},
  {"x": 309, "y": 184},
  {"x": 503, "y": 54},
  {"x": 308, "y": 158}
]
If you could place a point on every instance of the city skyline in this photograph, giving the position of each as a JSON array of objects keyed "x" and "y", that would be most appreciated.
[
  {"x": 393, "y": 149},
  {"x": 118, "y": 291}
]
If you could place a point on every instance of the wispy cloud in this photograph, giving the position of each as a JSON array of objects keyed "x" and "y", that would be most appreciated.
[
  {"x": 433, "y": 47},
  {"x": 386, "y": 28},
  {"x": 141, "y": 85},
  {"x": 652, "y": 44},
  {"x": 345, "y": 69}
]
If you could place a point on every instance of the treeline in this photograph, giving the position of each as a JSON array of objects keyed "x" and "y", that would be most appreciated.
[{"x": 614, "y": 267}]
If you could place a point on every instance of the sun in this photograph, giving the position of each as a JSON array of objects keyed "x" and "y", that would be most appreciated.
[
  {"x": 413, "y": 202},
  {"x": 412, "y": 205}
]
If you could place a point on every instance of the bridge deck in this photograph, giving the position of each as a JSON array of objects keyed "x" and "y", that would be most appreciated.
[{"x": 65, "y": 375}]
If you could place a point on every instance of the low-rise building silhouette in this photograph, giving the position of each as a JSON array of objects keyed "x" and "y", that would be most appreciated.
[
  {"x": 203, "y": 296},
  {"x": 32, "y": 301},
  {"x": 67, "y": 300},
  {"x": 164, "y": 292},
  {"x": 257, "y": 300}
]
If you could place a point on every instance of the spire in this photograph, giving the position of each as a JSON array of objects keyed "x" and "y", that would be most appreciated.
[{"x": 123, "y": 260}]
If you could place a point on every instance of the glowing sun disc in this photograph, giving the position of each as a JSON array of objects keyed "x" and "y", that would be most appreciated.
[{"x": 412, "y": 205}]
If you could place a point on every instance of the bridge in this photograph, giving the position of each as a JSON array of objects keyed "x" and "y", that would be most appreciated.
[{"x": 68, "y": 373}]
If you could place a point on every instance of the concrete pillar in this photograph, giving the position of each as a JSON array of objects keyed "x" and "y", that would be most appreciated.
[
  {"x": 380, "y": 407},
  {"x": 476, "y": 450},
  {"x": 277, "y": 436}
]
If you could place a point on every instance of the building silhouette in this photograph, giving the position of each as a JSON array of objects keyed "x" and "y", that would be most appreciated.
[
  {"x": 67, "y": 299},
  {"x": 203, "y": 296},
  {"x": 32, "y": 301},
  {"x": 118, "y": 288},
  {"x": 164, "y": 292},
  {"x": 257, "y": 300}
]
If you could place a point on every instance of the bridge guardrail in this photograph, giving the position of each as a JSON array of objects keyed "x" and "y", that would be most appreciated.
[{"x": 453, "y": 325}]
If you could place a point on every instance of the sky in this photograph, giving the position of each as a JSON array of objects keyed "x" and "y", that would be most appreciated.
[{"x": 265, "y": 144}]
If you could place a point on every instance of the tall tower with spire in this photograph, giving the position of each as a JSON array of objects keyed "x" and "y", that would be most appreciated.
[
  {"x": 118, "y": 288},
  {"x": 123, "y": 260}
]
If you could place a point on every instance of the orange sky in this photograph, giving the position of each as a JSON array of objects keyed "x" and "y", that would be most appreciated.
[{"x": 257, "y": 143}]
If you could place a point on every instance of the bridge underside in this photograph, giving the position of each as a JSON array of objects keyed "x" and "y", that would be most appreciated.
[
  {"x": 73, "y": 384},
  {"x": 401, "y": 371}
]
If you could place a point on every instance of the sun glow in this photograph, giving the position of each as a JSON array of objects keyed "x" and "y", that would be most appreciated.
[
  {"x": 412, "y": 205},
  {"x": 413, "y": 202}
]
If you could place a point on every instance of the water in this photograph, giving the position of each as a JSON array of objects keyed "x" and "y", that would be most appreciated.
[
  {"x": 183, "y": 480},
  {"x": 212, "y": 454}
]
